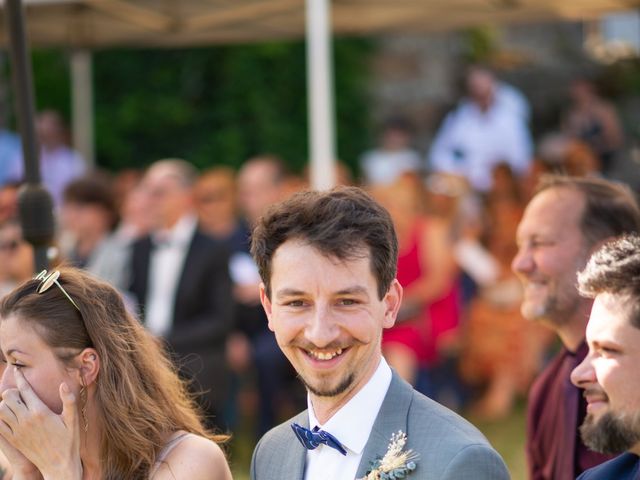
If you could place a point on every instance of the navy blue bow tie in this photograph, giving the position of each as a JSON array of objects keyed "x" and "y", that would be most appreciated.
[{"x": 311, "y": 439}]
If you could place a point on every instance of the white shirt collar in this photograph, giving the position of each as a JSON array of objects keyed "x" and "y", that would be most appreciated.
[
  {"x": 180, "y": 234},
  {"x": 352, "y": 424}
]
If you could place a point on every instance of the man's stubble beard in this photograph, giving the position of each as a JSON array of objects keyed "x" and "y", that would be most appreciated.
[
  {"x": 342, "y": 387},
  {"x": 560, "y": 307}
]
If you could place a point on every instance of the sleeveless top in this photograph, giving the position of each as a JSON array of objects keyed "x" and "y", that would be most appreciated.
[{"x": 166, "y": 450}]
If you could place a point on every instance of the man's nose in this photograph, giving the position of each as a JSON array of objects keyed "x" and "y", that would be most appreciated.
[
  {"x": 523, "y": 261},
  {"x": 322, "y": 328},
  {"x": 583, "y": 374}
]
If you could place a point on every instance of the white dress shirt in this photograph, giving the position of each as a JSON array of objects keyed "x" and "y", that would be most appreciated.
[
  {"x": 165, "y": 267},
  {"x": 351, "y": 425},
  {"x": 471, "y": 143}
]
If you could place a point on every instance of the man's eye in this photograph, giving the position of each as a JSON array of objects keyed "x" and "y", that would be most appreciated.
[
  {"x": 608, "y": 350},
  {"x": 348, "y": 301},
  {"x": 295, "y": 303},
  {"x": 17, "y": 365}
]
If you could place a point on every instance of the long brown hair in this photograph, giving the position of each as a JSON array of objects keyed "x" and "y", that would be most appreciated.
[{"x": 138, "y": 392}]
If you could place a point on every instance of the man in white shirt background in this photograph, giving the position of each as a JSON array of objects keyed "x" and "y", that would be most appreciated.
[{"x": 488, "y": 127}]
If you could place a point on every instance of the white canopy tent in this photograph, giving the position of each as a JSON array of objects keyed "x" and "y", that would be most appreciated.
[
  {"x": 83, "y": 25},
  {"x": 173, "y": 23}
]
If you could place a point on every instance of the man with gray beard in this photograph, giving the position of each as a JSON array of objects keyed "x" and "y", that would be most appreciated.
[
  {"x": 565, "y": 221},
  {"x": 609, "y": 373}
]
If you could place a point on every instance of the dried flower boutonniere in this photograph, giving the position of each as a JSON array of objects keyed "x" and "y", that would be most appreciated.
[{"x": 395, "y": 464}]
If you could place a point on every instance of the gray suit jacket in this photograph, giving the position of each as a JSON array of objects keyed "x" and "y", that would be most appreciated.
[{"x": 449, "y": 447}]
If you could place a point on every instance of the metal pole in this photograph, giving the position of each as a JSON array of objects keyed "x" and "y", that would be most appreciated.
[
  {"x": 320, "y": 95},
  {"x": 82, "y": 105},
  {"x": 34, "y": 203},
  {"x": 23, "y": 87}
]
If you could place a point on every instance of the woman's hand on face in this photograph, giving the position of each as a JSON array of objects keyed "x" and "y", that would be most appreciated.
[
  {"x": 50, "y": 441},
  {"x": 20, "y": 465}
]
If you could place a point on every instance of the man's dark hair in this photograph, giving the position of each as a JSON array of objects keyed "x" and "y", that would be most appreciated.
[
  {"x": 93, "y": 189},
  {"x": 343, "y": 223},
  {"x": 610, "y": 208},
  {"x": 615, "y": 269}
]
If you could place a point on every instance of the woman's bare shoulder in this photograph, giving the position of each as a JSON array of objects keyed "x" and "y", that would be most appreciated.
[{"x": 194, "y": 458}]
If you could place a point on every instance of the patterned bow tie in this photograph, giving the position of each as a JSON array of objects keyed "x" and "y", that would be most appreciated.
[{"x": 311, "y": 439}]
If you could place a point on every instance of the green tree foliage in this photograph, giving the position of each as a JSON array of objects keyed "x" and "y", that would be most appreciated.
[{"x": 212, "y": 106}]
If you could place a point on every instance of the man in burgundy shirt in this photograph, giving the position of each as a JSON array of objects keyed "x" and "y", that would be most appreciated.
[{"x": 565, "y": 221}]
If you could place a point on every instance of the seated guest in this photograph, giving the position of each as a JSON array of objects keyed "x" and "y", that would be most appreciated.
[
  {"x": 16, "y": 257},
  {"x": 609, "y": 373},
  {"x": 88, "y": 393},
  {"x": 88, "y": 216},
  {"x": 180, "y": 280}
]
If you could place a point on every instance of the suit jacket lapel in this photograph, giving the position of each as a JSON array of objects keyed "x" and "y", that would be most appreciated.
[
  {"x": 140, "y": 270},
  {"x": 294, "y": 462},
  {"x": 391, "y": 418}
]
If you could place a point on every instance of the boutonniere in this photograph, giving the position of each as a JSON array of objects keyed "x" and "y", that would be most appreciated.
[{"x": 396, "y": 463}]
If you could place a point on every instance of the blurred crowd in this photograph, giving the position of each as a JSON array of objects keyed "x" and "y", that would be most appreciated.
[{"x": 175, "y": 242}]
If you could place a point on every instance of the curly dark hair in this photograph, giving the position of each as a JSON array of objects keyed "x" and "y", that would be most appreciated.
[{"x": 615, "y": 268}]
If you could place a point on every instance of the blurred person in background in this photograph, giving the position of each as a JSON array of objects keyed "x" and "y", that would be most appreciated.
[
  {"x": 88, "y": 216},
  {"x": 501, "y": 352},
  {"x": 260, "y": 185},
  {"x": 98, "y": 228},
  {"x": 262, "y": 181},
  {"x": 480, "y": 133},
  {"x": 566, "y": 220},
  {"x": 429, "y": 314},
  {"x": 216, "y": 204},
  {"x": 9, "y": 201},
  {"x": 609, "y": 373},
  {"x": 394, "y": 157},
  {"x": 594, "y": 121},
  {"x": 9, "y": 149},
  {"x": 180, "y": 280},
  {"x": 16, "y": 257},
  {"x": 215, "y": 199},
  {"x": 568, "y": 155},
  {"x": 59, "y": 164}
]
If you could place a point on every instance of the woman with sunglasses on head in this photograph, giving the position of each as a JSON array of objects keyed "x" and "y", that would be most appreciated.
[{"x": 87, "y": 393}]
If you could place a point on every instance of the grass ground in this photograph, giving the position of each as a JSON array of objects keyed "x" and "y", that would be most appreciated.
[{"x": 506, "y": 435}]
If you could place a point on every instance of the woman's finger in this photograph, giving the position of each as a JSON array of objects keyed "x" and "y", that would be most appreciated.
[
  {"x": 14, "y": 401},
  {"x": 69, "y": 410},
  {"x": 7, "y": 416},
  {"x": 27, "y": 394}
]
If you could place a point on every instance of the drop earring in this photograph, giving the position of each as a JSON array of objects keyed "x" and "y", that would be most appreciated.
[{"x": 83, "y": 406}]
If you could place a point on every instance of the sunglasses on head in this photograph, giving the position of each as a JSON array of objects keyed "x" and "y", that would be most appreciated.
[{"x": 49, "y": 279}]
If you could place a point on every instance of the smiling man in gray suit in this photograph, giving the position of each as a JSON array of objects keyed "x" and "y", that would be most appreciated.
[{"x": 328, "y": 266}]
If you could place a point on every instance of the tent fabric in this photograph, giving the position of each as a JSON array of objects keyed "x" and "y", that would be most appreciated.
[{"x": 175, "y": 23}]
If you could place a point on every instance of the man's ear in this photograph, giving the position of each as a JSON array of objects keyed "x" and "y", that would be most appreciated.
[
  {"x": 266, "y": 304},
  {"x": 89, "y": 365},
  {"x": 392, "y": 301}
]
